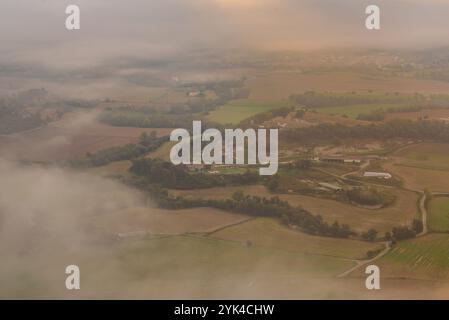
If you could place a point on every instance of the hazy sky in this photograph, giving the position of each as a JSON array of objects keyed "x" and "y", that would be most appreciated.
[{"x": 34, "y": 31}]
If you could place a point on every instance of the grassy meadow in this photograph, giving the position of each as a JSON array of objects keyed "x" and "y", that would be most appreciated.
[
  {"x": 439, "y": 214},
  {"x": 238, "y": 110}
]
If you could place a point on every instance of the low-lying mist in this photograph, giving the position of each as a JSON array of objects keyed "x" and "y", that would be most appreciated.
[
  {"x": 43, "y": 204},
  {"x": 41, "y": 218},
  {"x": 43, "y": 211},
  {"x": 43, "y": 229}
]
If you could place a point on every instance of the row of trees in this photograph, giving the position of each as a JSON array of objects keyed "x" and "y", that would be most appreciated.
[
  {"x": 264, "y": 207},
  {"x": 375, "y": 115},
  {"x": 370, "y": 196},
  {"x": 179, "y": 115},
  {"x": 226, "y": 89},
  {"x": 12, "y": 121},
  {"x": 147, "y": 143},
  {"x": 397, "y": 233},
  {"x": 165, "y": 174},
  {"x": 141, "y": 120},
  {"x": 404, "y": 232},
  {"x": 261, "y": 117},
  {"x": 399, "y": 128},
  {"x": 313, "y": 99},
  {"x": 34, "y": 108},
  {"x": 271, "y": 207}
]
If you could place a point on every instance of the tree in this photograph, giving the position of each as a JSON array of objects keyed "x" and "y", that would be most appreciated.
[
  {"x": 238, "y": 196},
  {"x": 370, "y": 235},
  {"x": 303, "y": 164},
  {"x": 146, "y": 139},
  {"x": 273, "y": 185},
  {"x": 417, "y": 226},
  {"x": 401, "y": 233},
  {"x": 299, "y": 114}
]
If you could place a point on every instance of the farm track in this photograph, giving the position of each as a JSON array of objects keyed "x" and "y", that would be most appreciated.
[
  {"x": 388, "y": 247},
  {"x": 143, "y": 233},
  {"x": 424, "y": 214},
  {"x": 343, "y": 178},
  {"x": 423, "y": 210},
  {"x": 362, "y": 167},
  {"x": 360, "y": 263},
  {"x": 423, "y": 200}
]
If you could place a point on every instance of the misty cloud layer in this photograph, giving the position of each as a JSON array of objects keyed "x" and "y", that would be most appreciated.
[
  {"x": 33, "y": 31},
  {"x": 40, "y": 206}
]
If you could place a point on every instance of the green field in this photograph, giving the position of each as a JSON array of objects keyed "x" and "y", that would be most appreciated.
[
  {"x": 433, "y": 156},
  {"x": 423, "y": 257},
  {"x": 234, "y": 170},
  {"x": 163, "y": 152},
  {"x": 354, "y": 110},
  {"x": 439, "y": 214},
  {"x": 423, "y": 165},
  {"x": 270, "y": 233},
  {"x": 205, "y": 267},
  {"x": 214, "y": 257},
  {"x": 359, "y": 219},
  {"x": 167, "y": 268},
  {"x": 117, "y": 168},
  {"x": 238, "y": 110}
]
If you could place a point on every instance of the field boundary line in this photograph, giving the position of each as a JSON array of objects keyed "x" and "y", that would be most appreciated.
[
  {"x": 360, "y": 263},
  {"x": 208, "y": 233}
]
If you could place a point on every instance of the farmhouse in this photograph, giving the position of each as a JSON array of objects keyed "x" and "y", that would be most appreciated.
[
  {"x": 377, "y": 175},
  {"x": 198, "y": 167},
  {"x": 340, "y": 160},
  {"x": 195, "y": 167},
  {"x": 352, "y": 161},
  {"x": 190, "y": 151},
  {"x": 193, "y": 94},
  {"x": 330, "y": 186}
]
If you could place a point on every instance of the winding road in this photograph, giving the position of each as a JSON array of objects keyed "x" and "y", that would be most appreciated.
[{"x": 388, "y": 246}]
